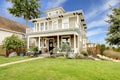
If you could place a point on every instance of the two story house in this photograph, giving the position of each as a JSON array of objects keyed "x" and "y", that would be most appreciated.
[{"x": 56, "y": 28}]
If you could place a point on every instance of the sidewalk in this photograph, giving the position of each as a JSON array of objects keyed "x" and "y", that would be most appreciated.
[{"x": 10, "y": 63}]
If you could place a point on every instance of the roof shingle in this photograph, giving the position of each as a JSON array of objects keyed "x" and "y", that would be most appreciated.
[{"x": 11, "y": 25}]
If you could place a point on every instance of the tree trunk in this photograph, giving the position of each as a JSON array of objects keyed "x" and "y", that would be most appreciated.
[{"x": 26, "y": 22}]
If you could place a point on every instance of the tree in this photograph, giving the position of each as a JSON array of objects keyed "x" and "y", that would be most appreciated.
[
  {"x": 102, "y": 48},
  {"x": 114, "y": 28},
  {"x": 13, "y": 42},
  {"x": 29, "y": 9}
]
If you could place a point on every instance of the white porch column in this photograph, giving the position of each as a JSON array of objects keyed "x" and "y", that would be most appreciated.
[
  {"x": 58, "y": 42},
  {"x": 39, "y": 43},
  {"x": 27, "y": 42},
  {"x": 74, "y": 43}
]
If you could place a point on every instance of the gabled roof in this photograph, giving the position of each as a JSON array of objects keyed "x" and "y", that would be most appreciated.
[{"x": 11, "y": 25}]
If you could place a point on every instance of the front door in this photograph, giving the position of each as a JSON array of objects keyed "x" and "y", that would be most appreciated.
[{"x": 50, "y": 44}]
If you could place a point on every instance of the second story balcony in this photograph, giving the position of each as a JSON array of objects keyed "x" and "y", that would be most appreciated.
[
  {"x": 70, "y": 20},
  {"x": 53, "y": 28}
]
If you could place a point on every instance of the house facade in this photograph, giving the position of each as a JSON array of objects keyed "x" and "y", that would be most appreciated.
[
  {"x": 9, "y": 27},
  {"x": 56, "y": 28}
]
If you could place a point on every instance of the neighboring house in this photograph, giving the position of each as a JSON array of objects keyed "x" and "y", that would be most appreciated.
[
  {"x": 9, "y": 27},
  {"x": 56, "y": 28}
]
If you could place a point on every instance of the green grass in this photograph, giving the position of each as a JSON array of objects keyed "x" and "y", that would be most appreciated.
[
  {"x": 61, "y": 69},
  {"x": 11, "y": 59}
]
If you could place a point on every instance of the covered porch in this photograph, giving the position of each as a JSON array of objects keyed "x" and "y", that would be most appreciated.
[{"x": 47, "y": 43}]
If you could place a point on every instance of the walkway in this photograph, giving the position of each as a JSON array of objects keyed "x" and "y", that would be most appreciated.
[{"x": 10, "y": 63}]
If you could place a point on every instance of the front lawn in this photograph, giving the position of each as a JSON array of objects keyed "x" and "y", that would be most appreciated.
[
  {"x": 61, "y": 69},
  {"x": 11, "y": 59}
]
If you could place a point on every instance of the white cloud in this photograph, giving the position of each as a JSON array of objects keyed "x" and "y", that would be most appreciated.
[
  {"x": 98, "y": 23},
  {"x": 98, "y": 10},
  {"x": 95, "y": 32},
  {"x": 55, "y": 3}
]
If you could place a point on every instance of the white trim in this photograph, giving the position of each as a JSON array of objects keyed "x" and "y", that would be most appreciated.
[
  {"x": 53, "y": 34},
  {"x": 12, "y": 31},
  {"x": 74, "y": 43}
]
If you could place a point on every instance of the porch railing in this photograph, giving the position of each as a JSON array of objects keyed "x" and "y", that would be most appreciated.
[{"x": 31, "y": 30}]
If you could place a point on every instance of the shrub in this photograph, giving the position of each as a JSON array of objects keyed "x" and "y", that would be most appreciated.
[
  {"x": 65, "y": 47},
  {"x": 102, "y": 48},
  {"x": 13, "y": 42},
  {"x": 118, "y": 49},
  {"x": 79, "y": 56},
  {"x": 84, "y": 53},
  {"x": 112, "y": 54},
  {"x": 33, "y": 48}
]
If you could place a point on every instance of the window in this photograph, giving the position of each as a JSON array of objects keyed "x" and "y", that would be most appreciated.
[
  {"x": 37, "y": 26},
  {"x": 41, "y": 26},
  {"x": 66, "y": 40},
  {"x": 54, "y": 24},
  {"x": 46, "y": 26},
  {"x": 65, "y": 23}
]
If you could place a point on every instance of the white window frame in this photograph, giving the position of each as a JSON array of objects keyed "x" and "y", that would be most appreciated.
[
  {"x": 41, "y": 29},
  {"x": 56, "y": 27},
  {"x": 65, "y": 21}
]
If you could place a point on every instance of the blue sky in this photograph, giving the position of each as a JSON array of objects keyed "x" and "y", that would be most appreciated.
[{"x": 95, "y": 12}]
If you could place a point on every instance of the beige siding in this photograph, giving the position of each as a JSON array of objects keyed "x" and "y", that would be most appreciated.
[{"x": 4, "y": 34}]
